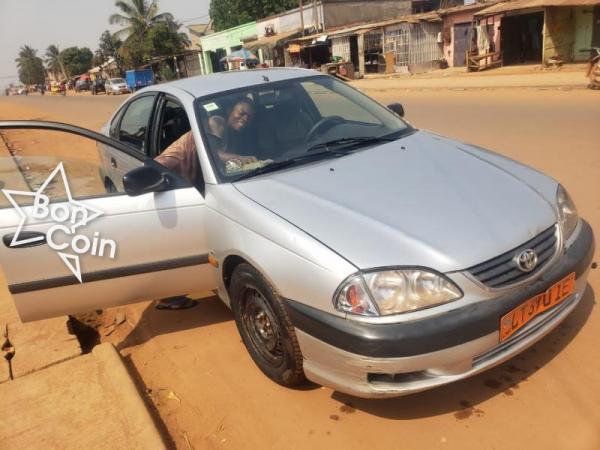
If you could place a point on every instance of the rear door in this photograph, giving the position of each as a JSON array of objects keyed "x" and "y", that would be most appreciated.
[
  {"x": 70, "y": 245},
  {"x": 132, "y": 125}
]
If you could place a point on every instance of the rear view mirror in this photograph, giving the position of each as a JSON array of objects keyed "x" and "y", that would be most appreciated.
[
  {"x": 143, "y": 180},
  {"x": 397, "y": 108}
]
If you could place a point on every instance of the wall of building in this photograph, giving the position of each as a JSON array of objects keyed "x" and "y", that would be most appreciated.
[
  {"x": 228, "y": 38},
  {"x": 559, "y": 34},
  {"x": 493, "y": 23},
  {"x": 584, "y": 23},
  {"x": 340, "y": 46},
  {"x": 448, "y": 33},
  {"x": 415, "y": 45},
  {"x": 291, "y": 21},
  {"x": 339, "y": 13}
]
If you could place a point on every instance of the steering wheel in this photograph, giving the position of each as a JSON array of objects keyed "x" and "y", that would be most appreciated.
[{"x": 323, "y": 125}]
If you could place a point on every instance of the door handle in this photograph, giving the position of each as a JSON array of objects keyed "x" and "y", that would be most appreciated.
[
  {"x": 113, "y": 162},
  {"x": 23, "y": 235}
]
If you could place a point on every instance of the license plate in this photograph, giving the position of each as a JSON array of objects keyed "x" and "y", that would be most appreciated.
[{"x": 516, "y": 319}]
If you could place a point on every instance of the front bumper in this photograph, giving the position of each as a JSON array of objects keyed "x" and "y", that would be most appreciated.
[{"x": 388, "y": 360}]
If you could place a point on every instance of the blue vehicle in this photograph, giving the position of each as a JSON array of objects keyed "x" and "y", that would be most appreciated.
[{"x": 137, "y": 79}]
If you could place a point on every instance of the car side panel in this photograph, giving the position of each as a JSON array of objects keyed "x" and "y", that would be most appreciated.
[{"x": 298, "y": 266}]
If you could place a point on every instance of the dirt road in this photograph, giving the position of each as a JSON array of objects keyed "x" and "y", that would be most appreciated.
[{"x": 209, "y": 394}]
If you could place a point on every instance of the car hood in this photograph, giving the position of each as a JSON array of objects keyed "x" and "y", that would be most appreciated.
[{"x": 418, "y": 201}]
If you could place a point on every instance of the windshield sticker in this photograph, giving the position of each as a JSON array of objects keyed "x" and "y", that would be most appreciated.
[
  {"x": 66, "y": 217},
  {"x": 209, "y": 107}
]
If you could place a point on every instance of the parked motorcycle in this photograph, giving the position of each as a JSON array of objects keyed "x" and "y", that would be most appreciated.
[{"x": 593, "y": 71}]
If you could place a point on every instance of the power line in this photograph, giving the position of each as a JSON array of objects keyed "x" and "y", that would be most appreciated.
[{"x": 194, "y": 18}]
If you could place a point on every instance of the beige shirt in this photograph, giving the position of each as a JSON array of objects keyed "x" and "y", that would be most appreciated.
[{"x": 182, "y": 158}]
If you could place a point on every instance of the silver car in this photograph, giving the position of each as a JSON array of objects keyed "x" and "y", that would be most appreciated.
[
  {"x": 116, "y": 86},
  {"x": 354, "y": 250}
]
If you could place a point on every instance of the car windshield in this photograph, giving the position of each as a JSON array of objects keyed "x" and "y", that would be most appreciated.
[
  {"x": 272, "y": 126},
  {"x": 117, "y": 80}
]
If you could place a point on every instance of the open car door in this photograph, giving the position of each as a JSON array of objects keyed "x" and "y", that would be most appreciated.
[{"x": 69, "y": 245}]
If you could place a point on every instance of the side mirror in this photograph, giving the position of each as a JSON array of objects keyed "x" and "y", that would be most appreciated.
[
  {"x": 397, "y": 108},
  {"x": 143, "y": 180}
]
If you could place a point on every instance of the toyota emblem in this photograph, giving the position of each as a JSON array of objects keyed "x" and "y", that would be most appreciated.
[{"x": 526, "y": 260}]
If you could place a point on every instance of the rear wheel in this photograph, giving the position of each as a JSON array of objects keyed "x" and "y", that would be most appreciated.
[{"x": 265, "y": 327}]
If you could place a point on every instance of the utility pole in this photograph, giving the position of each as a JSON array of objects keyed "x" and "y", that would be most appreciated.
[{"x": 301, "y": 15}]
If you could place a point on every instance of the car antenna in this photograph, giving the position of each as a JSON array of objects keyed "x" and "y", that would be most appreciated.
[{"x": 266, "y": 79}]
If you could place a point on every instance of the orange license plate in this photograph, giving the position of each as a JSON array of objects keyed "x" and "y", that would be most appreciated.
[{"x": 516, "y": 319}]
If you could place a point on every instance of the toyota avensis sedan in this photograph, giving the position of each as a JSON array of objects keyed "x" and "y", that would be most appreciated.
[{"x": 354, "y": 249}]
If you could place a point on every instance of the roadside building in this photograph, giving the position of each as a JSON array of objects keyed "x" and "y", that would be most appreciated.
[
  {"x": 217, "y": 45},
  {"x": 410, "y": 43},
  {"x": 273, "y": 32},
  {"x": 279, "y": 39},
  {"x": 457, "y": 32},
  {"x": 197, "y": 32},
  {"x": 541, "y": 31}
]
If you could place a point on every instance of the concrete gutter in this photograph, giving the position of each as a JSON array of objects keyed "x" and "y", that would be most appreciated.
[{"x": 86, "y": 402}]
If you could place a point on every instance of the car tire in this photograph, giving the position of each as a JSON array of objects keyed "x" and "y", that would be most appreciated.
[{"x": 265, "y": 327}]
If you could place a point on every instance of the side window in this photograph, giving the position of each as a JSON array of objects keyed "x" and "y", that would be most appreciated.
[
  {"x": 114, "y": 125},
  {"x": 54, "y": 164},
  {"x": 174, "y": 124},
  {"x": 134, "y": 125},
  {"x": 175, "y": 146}
]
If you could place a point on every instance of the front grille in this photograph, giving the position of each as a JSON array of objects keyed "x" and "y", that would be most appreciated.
[{"x": 502, "y": 270}]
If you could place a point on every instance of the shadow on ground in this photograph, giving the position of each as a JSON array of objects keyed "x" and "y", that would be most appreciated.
[
  {"x": 155, "y": 322},
  {"x": 463, "y": 397}
]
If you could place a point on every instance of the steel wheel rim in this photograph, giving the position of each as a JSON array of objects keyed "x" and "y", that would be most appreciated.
[{"x": 262, "y": 327}]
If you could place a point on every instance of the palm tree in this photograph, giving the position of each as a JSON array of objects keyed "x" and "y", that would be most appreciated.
[
  {"x": 137, "y": 16},
  {"x": 54, "y": 62},
  {"x": 26, "y": 55},
  {"x": 31, "y": 69},
  {"x": 183, "y": 38}
]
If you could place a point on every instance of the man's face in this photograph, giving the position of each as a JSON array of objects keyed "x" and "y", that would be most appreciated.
[{"x": 240, "y": 116}]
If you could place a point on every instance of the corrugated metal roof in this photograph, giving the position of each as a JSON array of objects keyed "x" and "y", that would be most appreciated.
[
  {"x": 516, "y": 5},
  {"x": 433, "y": 16},
  {"x": 270, "y": 41}
]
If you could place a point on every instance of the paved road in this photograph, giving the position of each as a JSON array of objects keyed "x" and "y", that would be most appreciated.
[{"x": 546, "y": 398}]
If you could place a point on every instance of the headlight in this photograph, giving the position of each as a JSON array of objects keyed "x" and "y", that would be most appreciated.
[
  {"x": 395, "y": 291},
  {"x": 567, "y": 213}
]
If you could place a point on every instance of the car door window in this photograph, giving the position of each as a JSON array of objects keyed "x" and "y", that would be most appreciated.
[
  {"x": 174, "y": 123},
  {"x": 133, "y": 128},
  {"x": 175, "y": 145},
  {"x": 60, "y": 166}
]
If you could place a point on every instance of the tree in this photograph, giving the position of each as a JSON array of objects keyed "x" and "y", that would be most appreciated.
[
  {"x": 137, "y": 17},
  {"x": 54, "y": 62},
  {"x": 77, "y": 60},
  {"x": 30, "y": 66},
  {"x": 107, "y": 48},
  {"x": 230, "y": 13},
  {"x": 165, "y": 39}
]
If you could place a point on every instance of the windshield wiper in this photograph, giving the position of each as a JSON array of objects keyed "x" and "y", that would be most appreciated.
[
  {"x": 351, "y": 142},
  {"x": 277, "y": 165}
]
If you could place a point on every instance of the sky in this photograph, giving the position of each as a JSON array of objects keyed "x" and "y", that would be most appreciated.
[{"x": 68, "y": 23}]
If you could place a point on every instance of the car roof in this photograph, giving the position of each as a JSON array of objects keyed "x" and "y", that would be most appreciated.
[{"x": 202, "y": 85}]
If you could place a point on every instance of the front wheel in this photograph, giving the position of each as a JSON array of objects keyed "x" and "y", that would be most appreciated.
[{"x": 265, "y": 327}]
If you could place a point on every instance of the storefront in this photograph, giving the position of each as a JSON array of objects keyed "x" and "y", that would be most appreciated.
[{"x": 217, "y": 45}]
